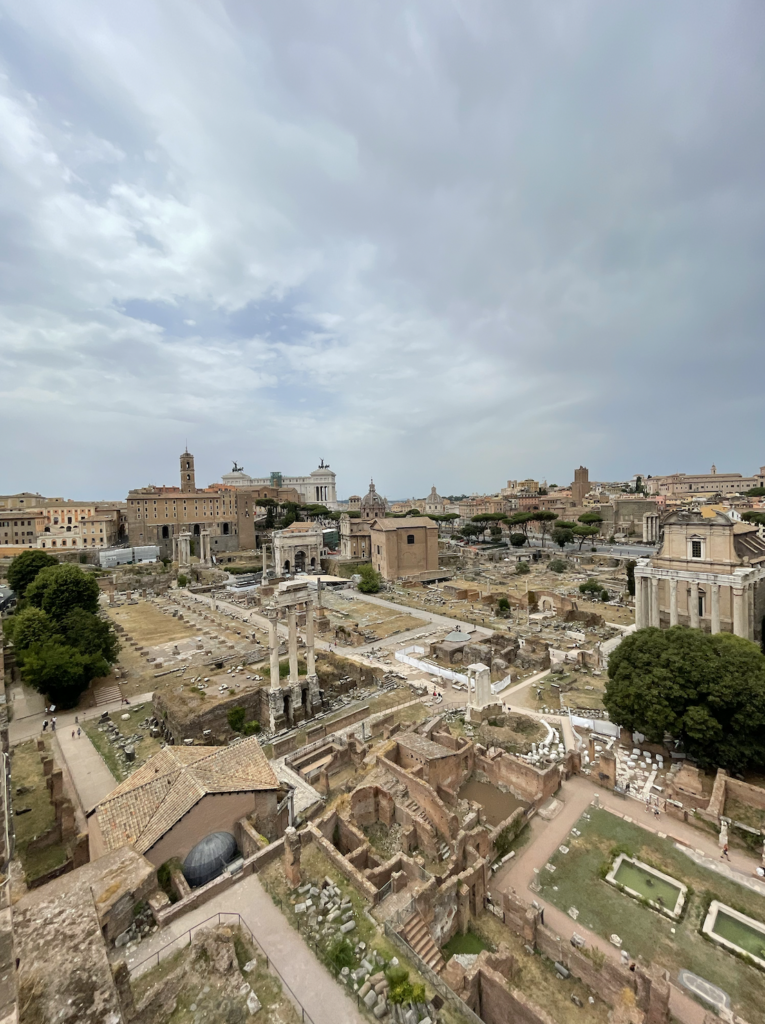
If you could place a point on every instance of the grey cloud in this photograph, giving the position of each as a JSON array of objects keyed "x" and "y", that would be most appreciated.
[{"x": 443, "y": 243}]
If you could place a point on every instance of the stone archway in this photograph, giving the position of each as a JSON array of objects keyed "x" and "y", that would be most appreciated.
[
  {"x": 300, "y": 561},
  {"x": 546, "y": 604},
  {"x": 286, "y": 565}
]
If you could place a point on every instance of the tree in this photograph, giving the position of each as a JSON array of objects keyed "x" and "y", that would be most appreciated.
[
  {"x": 562, "y": 537},
  {"x": 590, "y": 587},
  {"x": 518, "y": 539},
  {"x": 60, "y": 671},
  {"x": 25, "y": 567},
  {"x": 581, "y": 533},
  {"x": 90, "y": 634},
  {"x": 471, "y": 530},
  {"x": 755, "y": 492},
  {"x": 30, "y": 626},
  {"x": 590, "y": 518},
  {"x": 631, "y": 576},
  {"x": 60, "y": 588},
  {"x": 495, "y": 530},
  {"x": 371, "y": 580},
  {"x": 544, "y": 518},
  {"x": 520, "y": 520},
  {"x": 706, "y": 690},
  {"x": 503, "y": 605},
  {"x": 750, "y": 516}
]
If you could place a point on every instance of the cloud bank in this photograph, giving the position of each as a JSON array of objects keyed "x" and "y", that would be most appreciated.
[{"x": 443, "y": 242}]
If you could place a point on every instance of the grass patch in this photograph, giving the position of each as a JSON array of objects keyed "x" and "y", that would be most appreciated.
[
  {"x": 144, "y": 749},
  {"x": 467, "y": 943},
  {"x": 27, "y": 771},
  {"x": 578, "y": 881}
]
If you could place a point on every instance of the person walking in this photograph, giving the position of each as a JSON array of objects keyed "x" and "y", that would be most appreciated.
[
  {"x": 79, "y": 731},
  {"x": 45, "y": 725},
  {"x": 72, "y": 733},
  {"x": 724, "y": 852},
  {"x": 53, "y": 724}
]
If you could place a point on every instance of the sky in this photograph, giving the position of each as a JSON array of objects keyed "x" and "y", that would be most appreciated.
[{"x": 439, "y": 243}]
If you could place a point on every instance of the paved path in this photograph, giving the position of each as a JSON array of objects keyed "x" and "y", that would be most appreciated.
[
  {"x": 31, "y": 726},
  {"x": 441, "y": 620},
  {"x": 323, "y": 998},
  {"x": 87, "y": 769},
  {"x": 546, "y": 837}
]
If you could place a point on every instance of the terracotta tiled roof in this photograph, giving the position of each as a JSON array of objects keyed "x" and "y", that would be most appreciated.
[{"x": 158, "y": 794}]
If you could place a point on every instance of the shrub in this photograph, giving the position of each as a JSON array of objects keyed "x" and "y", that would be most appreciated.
[
  {"x": 517, "y": 539},
  {"x": 341, "y": 954},
  {"x": 371, "y": 580},
  {"x": 558, "y": 565},
  {"x": 590, "y": 587},
  {"x": 401, "y": 989},
  {"x": 236, "y": 718},
  {"x": 251, "y": 728},
  {"x": 522, "y": 568},
  {"x": 503, "y": 605},
  {"x": 183, "y": 580}
]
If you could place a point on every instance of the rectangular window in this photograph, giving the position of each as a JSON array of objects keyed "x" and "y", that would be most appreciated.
[{"x": 695, "y": 549}]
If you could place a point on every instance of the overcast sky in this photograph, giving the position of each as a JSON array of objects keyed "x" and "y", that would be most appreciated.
[{"x": 441, "y": 243}]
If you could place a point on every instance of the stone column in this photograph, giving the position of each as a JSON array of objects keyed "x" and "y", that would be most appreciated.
[
  {"x": 739, "y": 617},
  {"x": 715, "y": 588},
  {"x": 655, "y": 617},
  {"x": 639, "y": 618},
  {"x": 292, "y": 850},
  {"x": 673, "y": 602},
  {"x": 750, "y": 609},
  {"x": 273, "y": 647},
  {"x": 693, "y": 609},
  {"x": 310, "y": 657},
  {"x": 292, "y": 627}
]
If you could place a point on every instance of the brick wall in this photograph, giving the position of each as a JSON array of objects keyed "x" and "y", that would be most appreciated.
[
  {"x": 524, "y": 781},
  {"x": 444, "y": 821}
]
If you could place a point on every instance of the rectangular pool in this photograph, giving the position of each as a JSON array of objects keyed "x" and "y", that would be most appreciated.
[
  {"x": 663, "y": 892},
  {"x": 735, "y": 931}
]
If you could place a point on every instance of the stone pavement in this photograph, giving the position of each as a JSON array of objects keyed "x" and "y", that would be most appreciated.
[
  {"x": 323, "y": 998},
  {"x": 31, "y": 726},
  {"x": 87, "y": 769}
]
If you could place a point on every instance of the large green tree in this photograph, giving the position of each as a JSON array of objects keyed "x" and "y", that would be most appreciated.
[
  {"x": 90, "y": 634},
  {"x": 371, "y": 580},
  {"x": 582, "y": 533},
  {"x": 61, "y": 672},
  {"x": 25, "y": 567},
  {"x": 60, "y": 588},
  {"x": 707, "y": 691},
  {"x": 30, "y": 626}
]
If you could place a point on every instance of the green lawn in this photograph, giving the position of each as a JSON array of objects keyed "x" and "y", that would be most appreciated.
[
  {"x": 143, "y": 750},
  {"x": 27, "y": 770},
  {"x": 577, "y": 882},
  {"x": 468, "y": 943}
]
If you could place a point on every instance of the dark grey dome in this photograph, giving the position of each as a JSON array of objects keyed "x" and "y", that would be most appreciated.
[{"x": 209, "y": 857}]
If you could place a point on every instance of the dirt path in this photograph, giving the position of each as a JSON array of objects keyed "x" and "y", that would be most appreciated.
[{"x": 324, "y": 999}]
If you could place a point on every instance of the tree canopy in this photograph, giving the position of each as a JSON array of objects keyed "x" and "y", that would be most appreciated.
[
  {"x": 25, "y": 567},
  {"x": 59, "y": 588},
  {"x": 371, "y": 580},
  {"x": 561, "y": 536},
  {"x": 707, "y": 691},
  {"x": 581, "y": 533},
  {"x": 590, "y": 518},
  {"x": 61, "y": 643}
]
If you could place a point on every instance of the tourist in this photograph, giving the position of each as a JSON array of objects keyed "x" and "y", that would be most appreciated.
[
  {"x": 45, "y": 725},
  {"x": 79, "y": 732},
  {"x": 53, "y": 724},
  {"x": 724, "y": 852},
  {"x": 72, "y": 733}
]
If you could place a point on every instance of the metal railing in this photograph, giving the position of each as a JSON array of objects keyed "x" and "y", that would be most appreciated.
[{"x": 270, "y": 965}]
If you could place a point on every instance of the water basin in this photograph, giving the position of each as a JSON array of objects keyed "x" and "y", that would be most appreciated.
[
  {"x": 663, "y": 892},
  {"x": 735, "y": 931}
]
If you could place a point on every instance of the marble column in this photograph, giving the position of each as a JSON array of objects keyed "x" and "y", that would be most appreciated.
[
  {"x": 739, "y": 615},
  {"x": 673, "y": 620},
  {"x": 273, "y": 647},
  {"x": 292, "y": 628},
  {"x": 646, "y": 601},
  {"x": 310, "y": 657},
  {"x": 751, "y": 610},
  {"x": 655, "y": 616},
  {"x": 639, "y": 617},
  {"x": 715, "y": 588},
  {"x": 693, "y": 605}
]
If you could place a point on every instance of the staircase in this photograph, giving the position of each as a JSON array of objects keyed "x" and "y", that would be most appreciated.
[{"x": 417, "y": 935}]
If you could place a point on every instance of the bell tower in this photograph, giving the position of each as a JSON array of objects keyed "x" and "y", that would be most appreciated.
[{"x": 188, "y": 482}]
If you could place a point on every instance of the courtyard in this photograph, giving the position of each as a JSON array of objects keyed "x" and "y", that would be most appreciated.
[{"x": 578, "y": 884}]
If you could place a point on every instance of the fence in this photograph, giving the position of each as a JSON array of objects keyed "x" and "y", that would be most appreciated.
[{"x": 242, "y": 924}]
